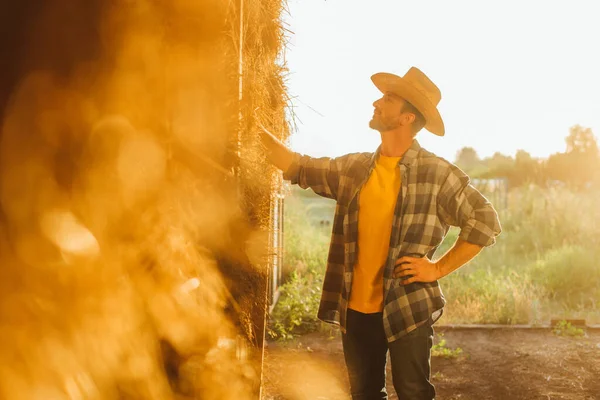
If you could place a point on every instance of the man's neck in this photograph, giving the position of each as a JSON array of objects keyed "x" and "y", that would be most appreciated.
[{"x": 394, "y": 143}]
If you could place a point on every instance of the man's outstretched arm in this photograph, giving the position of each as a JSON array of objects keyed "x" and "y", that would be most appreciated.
[
  {"x": 322, "y": 175},
  {"x": 277, "y": 153}
]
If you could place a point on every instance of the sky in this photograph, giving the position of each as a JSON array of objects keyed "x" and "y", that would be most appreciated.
[{"x": 513, "y": 74}]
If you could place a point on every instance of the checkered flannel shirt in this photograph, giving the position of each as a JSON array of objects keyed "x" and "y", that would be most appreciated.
[{"x": 434, "y": 195}]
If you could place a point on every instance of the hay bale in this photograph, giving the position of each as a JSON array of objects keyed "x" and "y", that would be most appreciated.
[{"x": 134, "y": 197}]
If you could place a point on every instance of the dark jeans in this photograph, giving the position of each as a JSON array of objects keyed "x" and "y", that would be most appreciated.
[{"x": 365, "y": 351}]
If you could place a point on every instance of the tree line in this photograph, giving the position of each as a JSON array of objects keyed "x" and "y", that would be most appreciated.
[{"x": 577, "y": 167}]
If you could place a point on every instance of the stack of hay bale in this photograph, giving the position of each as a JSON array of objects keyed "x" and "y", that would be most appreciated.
[{"x": 135, "y": 198}]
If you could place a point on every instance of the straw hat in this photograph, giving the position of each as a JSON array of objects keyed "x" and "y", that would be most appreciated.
[{"x": 416, "y": 88}]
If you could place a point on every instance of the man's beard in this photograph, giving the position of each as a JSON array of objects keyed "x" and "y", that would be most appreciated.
[{"x": 382, "y": 126}]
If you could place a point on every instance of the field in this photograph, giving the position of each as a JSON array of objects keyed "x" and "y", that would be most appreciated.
[{"x": 542, "y": 268}]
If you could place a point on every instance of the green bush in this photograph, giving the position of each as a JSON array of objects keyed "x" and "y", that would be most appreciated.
[
  {"x": 569, "y": 275},
  {"x": 296, "y": 310},
  {"x": 440, "y": 349},
  {"x": 564, "y": 328},
  {"x": 486, "y": 295}
]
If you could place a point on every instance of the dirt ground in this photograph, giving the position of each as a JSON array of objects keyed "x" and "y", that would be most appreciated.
[{"x": 508, "y": 364}]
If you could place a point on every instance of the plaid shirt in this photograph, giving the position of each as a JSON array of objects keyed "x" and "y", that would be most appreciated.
[{"x": 434, "y": 195}]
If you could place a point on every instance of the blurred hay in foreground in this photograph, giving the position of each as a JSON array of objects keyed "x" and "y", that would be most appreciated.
[{"x": 131, "y": 186}]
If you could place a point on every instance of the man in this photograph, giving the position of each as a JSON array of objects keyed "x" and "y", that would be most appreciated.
[{"x": 394, "y": 208}]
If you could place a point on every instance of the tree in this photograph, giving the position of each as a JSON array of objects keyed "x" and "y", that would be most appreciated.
[
  {"x": 498, "y": 166},
  {"x": 578, "y": 166},
  {"x": 581, "y": 141},
  {"x": 468, "y": 160},
  {"x": 527, "y": 169},
  {"x": 557, "y": 168}
]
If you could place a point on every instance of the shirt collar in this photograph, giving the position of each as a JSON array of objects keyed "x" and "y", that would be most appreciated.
[{"x": 408, "y": 158}]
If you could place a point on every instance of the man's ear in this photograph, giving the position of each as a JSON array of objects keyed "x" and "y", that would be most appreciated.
[{"x": 408, "y": 118}]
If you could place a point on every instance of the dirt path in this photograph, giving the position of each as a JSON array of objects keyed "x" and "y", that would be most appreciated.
[{"x": 507, "y": 364}]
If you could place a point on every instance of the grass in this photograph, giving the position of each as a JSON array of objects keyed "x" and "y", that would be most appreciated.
[
  {"x": 441, "y": 349},
  {"x": 306, "y": 246},
  {"x": 564, "y": 328},
  {"x": 542, "y": 267}
]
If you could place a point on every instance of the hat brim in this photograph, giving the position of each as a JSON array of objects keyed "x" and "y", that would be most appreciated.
[{"x": 387, "y": 82}]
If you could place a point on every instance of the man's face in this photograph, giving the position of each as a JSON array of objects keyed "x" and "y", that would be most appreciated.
[{"x": 388, "y": 110}]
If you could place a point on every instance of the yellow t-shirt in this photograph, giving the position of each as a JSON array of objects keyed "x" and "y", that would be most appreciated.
[{"x": 376, "y": 209}]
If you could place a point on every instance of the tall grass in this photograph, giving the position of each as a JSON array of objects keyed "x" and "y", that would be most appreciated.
[
  {"x": 543, "y": 265},
  {"x": 306, "y": 241}
]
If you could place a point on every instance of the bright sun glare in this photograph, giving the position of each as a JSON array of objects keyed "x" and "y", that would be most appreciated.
[{"x": 514, "y": 75}]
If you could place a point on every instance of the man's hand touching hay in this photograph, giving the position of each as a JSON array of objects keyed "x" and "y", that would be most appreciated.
[{"x": 414, "y": 269}]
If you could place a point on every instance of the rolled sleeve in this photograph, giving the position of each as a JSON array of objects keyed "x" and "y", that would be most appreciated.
[
  {"x": 322, "y": 175},
  {"x": 464, "y": 206}
]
